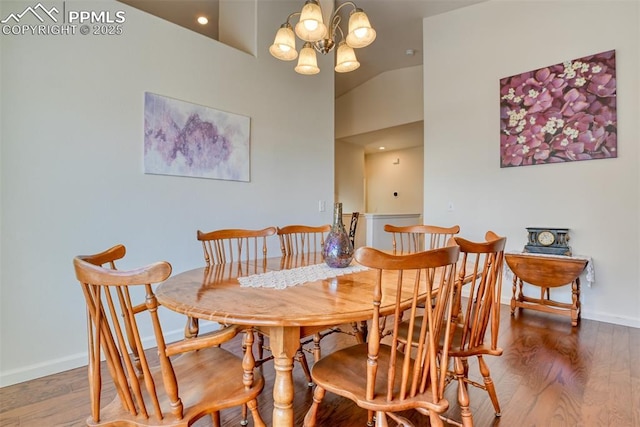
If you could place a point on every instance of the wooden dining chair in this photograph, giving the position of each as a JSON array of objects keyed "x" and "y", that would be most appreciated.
[
  {"x": 416, "y": 238},
  {"x": 410, "y": 239},
  {"x": 191, "y": 378},
  {"x": 243, "y": 249},
  {"x": 353, "y": 227},
  {"x": 376, "y": 375},
  {"x": 477, "y": 311},
  {"x": 302, "y": 239},
  {"x": 229, "y": 245}
]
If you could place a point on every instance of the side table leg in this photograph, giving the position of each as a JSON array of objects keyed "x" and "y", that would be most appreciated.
[
  {"x": 513, "y": 294},
  {"x": 575, "y": 297}
]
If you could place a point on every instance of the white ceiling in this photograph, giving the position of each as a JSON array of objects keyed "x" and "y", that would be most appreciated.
[{"x": 398, "y": 24}]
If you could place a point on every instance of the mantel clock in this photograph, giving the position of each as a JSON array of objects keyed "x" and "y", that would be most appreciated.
[{"x": 551, "y": 241}]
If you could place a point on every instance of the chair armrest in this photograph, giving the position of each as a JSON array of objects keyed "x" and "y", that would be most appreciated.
[{"x": 209, "y": 340}]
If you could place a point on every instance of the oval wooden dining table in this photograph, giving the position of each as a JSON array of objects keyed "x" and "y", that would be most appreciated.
[{"x": 285, "y": 315}]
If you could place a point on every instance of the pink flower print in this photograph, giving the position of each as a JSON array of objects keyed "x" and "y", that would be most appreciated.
[
  {"x": 560, "y": 113},
  {"x": 507, "y": 141},
  {"x": 574, "y": 102},
  {"x": 564, "y": 147},
  {"x": 609, "y": 149},
  {"x": 541, "y": 78},
  {"x": 511, "y": 157},
  {"x": 605, "y": 118},
  {"x": 512, "y": 151},
  {"x": 533, "y": 135},
  {"x": 592, "y": 139},
  {"x": 581, "y": 122},
  {"x": 603, "y": 85},
  {"x": 556, "y": 87},
  {"x": 538, "y": 101},
  {"x": 541, "y": 151}
]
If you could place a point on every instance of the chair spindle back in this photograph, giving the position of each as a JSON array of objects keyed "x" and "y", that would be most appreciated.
[
  {"x": 423, "y": 276},
  {"x": 482, "y": 310},
  {"x": 416, "y": 238},
  {"x": 113, "y": 332},
  {"x": 302, "y": 239},
  {"x": 231, "y": 245}
]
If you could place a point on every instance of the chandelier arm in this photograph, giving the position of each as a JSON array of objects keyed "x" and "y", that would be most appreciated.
[
  {"x": 340, "y": 29},
  {"x": 335, "y": 23},
  {"x": 350, "y": 3},
  {"x": 291, "y": 16},
  {"x": 335, "y": 20}
]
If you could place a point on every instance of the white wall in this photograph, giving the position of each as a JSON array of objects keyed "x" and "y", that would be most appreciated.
[
  {"x": 400, "y": 172},
  {"x": 469, "y": 50},
  {"x": 350, "y": 177},
  {"x": 390, "y": 99},
  {"x": 71, "y": 174}
]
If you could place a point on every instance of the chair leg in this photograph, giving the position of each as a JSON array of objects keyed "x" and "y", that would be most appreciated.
[
  {"x": 316, "y": 347},
  {"x": 302, "y": 359},
  {"x": 364, "y": 327},
  {"x": 260, "y": 345},
  {"x": 312, "y": 413},
  {"x": 257, "y": 419},
  {"x": 215, "y": 419},
  {"x": 463, "y": 394},
  {"x": 465, "y": 364},
  {"x": 244, "y": 421},
  {"x": 381, "y": 419},
  {"x": 435, "y": 420},
  {"x": 488, "y": 383},
  {"x": 359, "y": 331},
  {"x": 370, "y": 418}
]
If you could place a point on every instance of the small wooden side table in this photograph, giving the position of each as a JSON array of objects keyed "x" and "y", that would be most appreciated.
[{"x": 546, "y": 272}]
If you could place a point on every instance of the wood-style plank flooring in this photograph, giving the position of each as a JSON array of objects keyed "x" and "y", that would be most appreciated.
[{"x": 550, "y": 375}]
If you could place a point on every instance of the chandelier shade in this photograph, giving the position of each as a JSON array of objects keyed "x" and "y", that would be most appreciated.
[
  {"x": 322, "y": 37},
  {"x": 346, "y": 58},
  {"x": 360, "y": 32},
  {"x": 310, "y": 27},
  {"x": 284, "y": 45},
  {"x": 307, "y": 62}
]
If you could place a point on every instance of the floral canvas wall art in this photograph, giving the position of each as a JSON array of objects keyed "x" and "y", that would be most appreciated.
[
  {"x": 561, "y": 113},
  {"x": 186, "y": 139}
]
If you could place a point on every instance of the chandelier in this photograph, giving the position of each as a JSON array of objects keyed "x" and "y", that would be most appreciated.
[{"x": 322, "y": 38}]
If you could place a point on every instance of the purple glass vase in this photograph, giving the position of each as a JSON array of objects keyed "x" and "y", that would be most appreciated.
[{"x": 338, "y": 249}]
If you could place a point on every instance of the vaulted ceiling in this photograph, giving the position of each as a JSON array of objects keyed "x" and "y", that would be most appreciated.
[{"x": 398, "y": 44}]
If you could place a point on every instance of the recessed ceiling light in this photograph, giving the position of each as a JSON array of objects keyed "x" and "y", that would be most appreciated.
[
  {"x": 202, "y": 20},
  {"x": 380, "y": 148}
]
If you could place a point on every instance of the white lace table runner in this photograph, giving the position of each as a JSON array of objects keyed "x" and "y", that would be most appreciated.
[
  {"x": 283, "y": 279},
  {"x": 590, "y": 275}
]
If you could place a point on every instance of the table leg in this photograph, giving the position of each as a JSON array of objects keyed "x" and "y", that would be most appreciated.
[
  {"x": 284, "y": 343},
  {"x": 513, "y": 294},
  {"x": 575, "y": 302}
]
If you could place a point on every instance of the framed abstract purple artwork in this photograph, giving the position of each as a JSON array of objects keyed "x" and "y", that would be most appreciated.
[
  {"x": 561, "y": 113},
  {"x": 186, "y": 139}
]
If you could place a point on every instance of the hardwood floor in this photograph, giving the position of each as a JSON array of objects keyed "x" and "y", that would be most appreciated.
[{"x": 550, "y": 375}]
